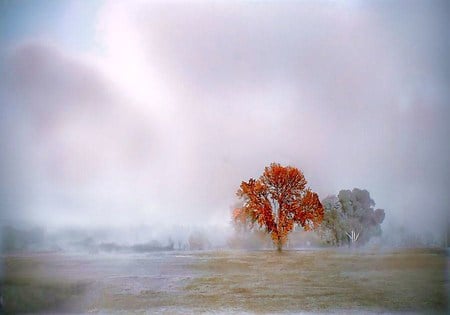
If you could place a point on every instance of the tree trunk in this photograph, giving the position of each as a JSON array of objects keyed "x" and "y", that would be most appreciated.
[
  {"x": 279, "y": 245},
  {"x": 280, "y": 241}
]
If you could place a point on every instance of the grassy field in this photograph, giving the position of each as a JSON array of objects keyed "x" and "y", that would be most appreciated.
[{"x": 229, "y": 281}]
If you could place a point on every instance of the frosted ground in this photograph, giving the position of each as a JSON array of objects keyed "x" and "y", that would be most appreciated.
[{"x": 313, "y": 281}]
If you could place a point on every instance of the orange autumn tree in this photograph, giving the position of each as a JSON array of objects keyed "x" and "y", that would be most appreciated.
[{"x": 277, "y": 201}]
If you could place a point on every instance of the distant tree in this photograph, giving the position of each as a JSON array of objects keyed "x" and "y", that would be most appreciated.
[
  {"x": 198, "y": 241},
  {"x": 350, "y": 218},
  {"x": 278, "y": 201},
  {"x": 22, "y": 239}
]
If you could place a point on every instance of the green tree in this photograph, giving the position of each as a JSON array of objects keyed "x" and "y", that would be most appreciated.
[
  {"x": 350, "y": 217},
  {"x": 332, "y": 230}
]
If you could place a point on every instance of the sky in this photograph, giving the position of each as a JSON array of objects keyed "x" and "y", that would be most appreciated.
[{"x": 121, "y": 113}]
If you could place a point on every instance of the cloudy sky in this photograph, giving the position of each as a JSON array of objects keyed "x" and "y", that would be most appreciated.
[{"x": 123, "y": 113}]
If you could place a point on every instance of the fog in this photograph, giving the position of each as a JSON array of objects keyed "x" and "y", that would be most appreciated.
[{"x": 166, "y": 107}]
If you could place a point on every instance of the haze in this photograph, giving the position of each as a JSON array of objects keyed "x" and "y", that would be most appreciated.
[{"x": 118, "y": 114}]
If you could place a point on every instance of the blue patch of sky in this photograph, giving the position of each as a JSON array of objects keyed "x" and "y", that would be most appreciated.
[{"x": 66, "y": 23}]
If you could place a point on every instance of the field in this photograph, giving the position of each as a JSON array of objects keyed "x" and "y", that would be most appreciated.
[{"x": 316, "y": 281}]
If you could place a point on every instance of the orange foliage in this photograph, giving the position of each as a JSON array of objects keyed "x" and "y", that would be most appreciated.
[
  {"x": 277, "y": 201},
  {"x": 239, "y": 217}
]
